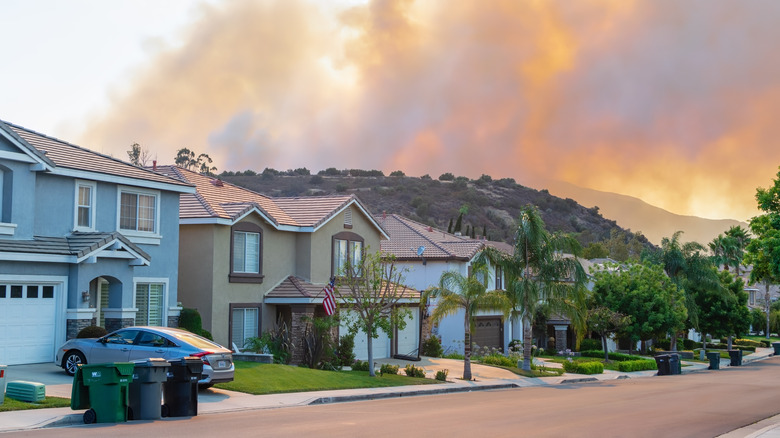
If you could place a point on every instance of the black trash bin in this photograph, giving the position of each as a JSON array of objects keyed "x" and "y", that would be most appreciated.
[
  {"x": 776, "y": 346},
  {"x": 675, "y": 366},
  {"x": 714, "y": 357},
  {"x": 662, "y": 361},
  {"x": 180, "y": 390},
  {"x": 736, "y": 357},
  {"x": 146, "y": 389}
]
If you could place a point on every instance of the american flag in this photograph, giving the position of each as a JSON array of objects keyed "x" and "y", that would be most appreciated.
[{"x": 329, "y": 302}]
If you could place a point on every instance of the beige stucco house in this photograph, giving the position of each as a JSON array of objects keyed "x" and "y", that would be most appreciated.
[{"x": 246, "y": 260}]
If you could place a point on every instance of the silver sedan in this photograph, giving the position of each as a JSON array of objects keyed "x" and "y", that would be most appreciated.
[{"x": 138, "y": 343}]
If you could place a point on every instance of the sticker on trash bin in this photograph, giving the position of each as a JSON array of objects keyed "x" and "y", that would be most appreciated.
[{"x": 96, "y": 374}]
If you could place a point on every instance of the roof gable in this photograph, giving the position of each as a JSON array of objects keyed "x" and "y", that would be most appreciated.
[{"x": 406, "y": 236}]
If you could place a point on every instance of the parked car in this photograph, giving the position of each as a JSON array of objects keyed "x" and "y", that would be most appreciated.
[{"x": 137, "y": 343}]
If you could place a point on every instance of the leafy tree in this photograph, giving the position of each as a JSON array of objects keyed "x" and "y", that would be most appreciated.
[
  {"x": 372, "y": 288},
  {"x": 458, "y": 223},
  {"x": 606, "y": 322},
  {"x": 397, "y": 173},
  {"x": 138, "y": 156},
  {"x": 763, "y": 252},
  {"x": 538, "y": 272},
  {"x": 446, "y": 177},
  {"x": 724, "y": 313},
  {"x": 455, "y": 292},
  {"x": 203, "y": 164},
  {"x": 449, "y": 227},
  {"x": 185, "y": 158},
  {"x": 426, "y": 177},
  {"x": 642, "y": 291},
  {"x": 595, "y": 250}
]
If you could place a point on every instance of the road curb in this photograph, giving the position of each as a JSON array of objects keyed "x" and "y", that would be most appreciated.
[{"x": 383, "y": 395}]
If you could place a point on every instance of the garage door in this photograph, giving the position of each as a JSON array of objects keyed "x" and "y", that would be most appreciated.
[
  {"x": 27, "y": 323},
  {"x": 408, "y": 338},
  {"x": 488, "y": 332},
  {"x": 381, "y": 344}
]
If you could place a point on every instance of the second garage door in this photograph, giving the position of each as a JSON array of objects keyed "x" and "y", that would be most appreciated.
[{"x": 27, "y": 323}]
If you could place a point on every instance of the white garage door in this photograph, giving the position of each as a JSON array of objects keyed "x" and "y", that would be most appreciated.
[
  {"x": 27, "y": 323},
  {"x": 408, "y": 339},
  {"x": 381, "y": 344}
]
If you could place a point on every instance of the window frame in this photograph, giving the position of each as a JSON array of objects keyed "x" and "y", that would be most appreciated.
[
  {"x": 238, "y": 306},
  {"x": 92, "y": 185},
  {"x": 163, "y": 282},
  {"x": 351, "y": 239},
  {"x": 246, "y": 277},
  {"x": 153, "y": 236},
  {"x": 499, "y": 278}
]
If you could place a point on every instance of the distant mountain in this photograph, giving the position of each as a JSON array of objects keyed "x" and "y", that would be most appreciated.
[
  {"x": 492, "y": 206},
  {"x": 638, "y": 216}
]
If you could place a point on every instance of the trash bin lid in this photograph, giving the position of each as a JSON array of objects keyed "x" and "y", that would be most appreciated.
[{"x": 151, "y": 362}]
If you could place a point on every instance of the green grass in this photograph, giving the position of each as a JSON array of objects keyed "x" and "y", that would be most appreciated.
[
  {"x": 256, "y": 378},
  {"x": 10, "y": 404},
  {"x": 762, "y": 338}
]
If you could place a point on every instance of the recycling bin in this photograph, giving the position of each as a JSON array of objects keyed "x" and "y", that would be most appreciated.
[
  {"x": 104, "y": 389},
  {"x": 2, "y": 383},
  {"x": 180, "y": 390},
  {"x": 662, "y": 361},
  {"x": 714, "y": 357},
  {"x": 776, "y": 346},
  {"x": 736, "y": 357},
  {"x": 675, "y": 366},
  {"x": 146, "y": 389}
]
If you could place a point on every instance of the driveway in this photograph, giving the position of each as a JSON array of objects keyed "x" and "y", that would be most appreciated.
[{"x": 58, "y": 384}]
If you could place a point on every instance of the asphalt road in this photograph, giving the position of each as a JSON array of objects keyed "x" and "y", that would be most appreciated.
[{"x": 703, "y": 404}]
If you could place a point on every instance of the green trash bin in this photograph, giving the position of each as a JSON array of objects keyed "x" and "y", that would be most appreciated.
[
  {"x": 714, "y": 357},
  {"x": 146, "y": 389},
  {"x": 104, "y": 389}
]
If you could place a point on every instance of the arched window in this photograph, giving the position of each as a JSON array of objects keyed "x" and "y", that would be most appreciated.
[{"x": 346, "y": 246}]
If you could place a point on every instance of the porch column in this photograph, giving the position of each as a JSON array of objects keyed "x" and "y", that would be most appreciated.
[
  {"x": 560, "y": 337},
  {"x": 297, "y": 330}
]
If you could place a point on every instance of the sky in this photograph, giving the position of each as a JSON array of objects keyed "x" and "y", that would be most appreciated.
[{"x": 674, "y": 102}]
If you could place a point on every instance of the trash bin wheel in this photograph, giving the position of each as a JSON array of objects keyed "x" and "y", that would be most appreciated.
[
  {"x": 90, "y": 416},
  {"x": 164, "y": 410}
]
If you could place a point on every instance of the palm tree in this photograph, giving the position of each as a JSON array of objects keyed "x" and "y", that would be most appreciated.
[
  {"x": 455, "y": 292},
  {"x": 741, "y": 239},
  {"x": 540, "y": 272}
]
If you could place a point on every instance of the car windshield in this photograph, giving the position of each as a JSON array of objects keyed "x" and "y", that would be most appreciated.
[{"x": 197, "y": 341}]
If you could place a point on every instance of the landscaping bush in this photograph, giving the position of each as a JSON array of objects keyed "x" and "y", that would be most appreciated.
[
  {"x": 637, "y": 365},
  {"x": 413, "y": 371},
  {"x": 618, "y": 357},
  {"x": 360, "y": 365},
  {"x": 457, "y": 356},
  {"x": 689, "y": 344},
  {"x": 388, "y": 369},
  {"x": 498, "y": 359},
  {"x": 747, "y": 342},
  {"x": 662, "y": 344},
  {"x": 442, "y": 375},
  {"x": 578, "y": 367},
  {"x": 590, "y": 344},
  {"x": 431, "y": 347},
  {"x": 93, "y": 331},
  {"x": 345, "y": 355},
  {"x": 190, "y": 320}
]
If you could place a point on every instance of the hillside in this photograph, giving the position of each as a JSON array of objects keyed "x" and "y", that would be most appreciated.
[
  {"x": 492, "y": 206},
  {"x": 653, "y": 222}
]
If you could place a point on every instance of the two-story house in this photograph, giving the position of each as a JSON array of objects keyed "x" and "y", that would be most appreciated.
[
  {"x": 84, "y": 239},
  {"x": 248, "y": 261},
  {"x": 427, "y": 253}
]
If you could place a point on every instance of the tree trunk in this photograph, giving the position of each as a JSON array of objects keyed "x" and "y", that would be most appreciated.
[
  {"x": 527, "y": 342},
  {"x": 729, "y": 342},
  {"x": 467, "y": 356},
  {"x": 673, "y": 342},
  {"x": 703, "y": 347},
  {"x": 767, "y": 307},
  {"x": 370, "y": 345},
  {"x": 604, "y": 346}
]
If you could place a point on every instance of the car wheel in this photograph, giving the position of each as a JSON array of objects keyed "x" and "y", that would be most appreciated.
[{"x": 72, "y": 360}]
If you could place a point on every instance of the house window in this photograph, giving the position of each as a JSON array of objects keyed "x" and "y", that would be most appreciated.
[
  {"x": 348, "y": 217},
  {"x": 245, "y": 323},
  {"x": 138, "y": 211},
  {"x": 85, "y": 206},
  {"x": 149, "y": 299},
  {"x": 246, "y": 253},
  {"x": 499, "y": 278},
  {"x": 346, "y": 246}
]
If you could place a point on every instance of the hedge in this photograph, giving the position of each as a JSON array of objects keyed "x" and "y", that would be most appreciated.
[
  {"x": 583, "y": 367},
  {"x": 637, "y": 365},
  {"x": 733, "y": 346},
  {"x": 619, "y": 357}
]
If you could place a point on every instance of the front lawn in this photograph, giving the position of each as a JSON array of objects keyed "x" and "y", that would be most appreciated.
[
  {"x": 10, "y": 404},
  {"x": 256, "y": 378}
]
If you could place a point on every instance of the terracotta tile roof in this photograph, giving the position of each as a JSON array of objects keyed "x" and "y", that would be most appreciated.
[
  {"x": 407, "y": 235},
  {"x": 66, "y": 155},
  {"x": 294, "y": 287},
  {"x": 218, "y": 199}
]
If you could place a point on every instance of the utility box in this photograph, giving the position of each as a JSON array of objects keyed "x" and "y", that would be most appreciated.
[{"x": 30, "y": 392}]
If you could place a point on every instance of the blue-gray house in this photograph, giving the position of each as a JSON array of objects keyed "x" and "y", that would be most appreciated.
[{"x": 84, "y": 239}]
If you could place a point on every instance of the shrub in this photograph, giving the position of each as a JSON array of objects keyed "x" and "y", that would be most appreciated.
[
  {"x": 457, "y": 356},
  {"x": 498, "y": 359},
  {"x": 360, "y": 365},
  {"x": 316, "y": 179},
  {"x": 388, "y": 369},
  {"x": 446, "y": 177},
  {"x": 431, "y": 347},
  {"x": 397, "y": 173},
  {"x": 207, "y": 334},
  {"x": 93, "y": 331},
  {"x": 345, "y": 355},
  {"x": 442, "y": 375},
  {"x": 590, "y": 344},
  {"x": 189, "y": 319},
  {"x": 690, "y": 344},
  {"x": 619, "y": 357},
  {"x": 747, "y": 343},
  {"x": 413, "y": 371},
  {"x": 637, "y": 365},
  {"x": 662, "y": 344},
  {"x": 583, "y": 367}
]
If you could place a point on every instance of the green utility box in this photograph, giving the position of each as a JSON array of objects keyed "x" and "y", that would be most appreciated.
[
  {"x": 104, "y": 389},
  {"x": 30, "y": 392}
]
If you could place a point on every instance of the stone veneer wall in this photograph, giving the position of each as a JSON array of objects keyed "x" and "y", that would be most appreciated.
[
  {"x": 297, "y": 330},
  {"x": 74, "y": 326},
  {"x": 113, "y": 324},
  {"x": 173, "y": 321}
]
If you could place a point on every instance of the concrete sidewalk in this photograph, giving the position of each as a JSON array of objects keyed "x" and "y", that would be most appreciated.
[{"x": 214, "y": 400}]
